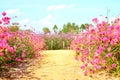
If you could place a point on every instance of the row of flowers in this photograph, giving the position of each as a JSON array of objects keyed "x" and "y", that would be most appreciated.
[
  {"x": 58, "y": 41},
  {"x": 99, "y": 47},
  {"x": 17, "y": 46}
]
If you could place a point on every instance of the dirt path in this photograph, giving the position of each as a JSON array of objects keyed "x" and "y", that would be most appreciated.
[{"x": 59, "y": 65}]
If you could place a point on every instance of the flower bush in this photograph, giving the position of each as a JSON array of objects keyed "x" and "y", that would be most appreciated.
[
  {"x": 17, "y": 46},
  {"x": 58, "y": 41},
  {"x": 99, "y": 47}
]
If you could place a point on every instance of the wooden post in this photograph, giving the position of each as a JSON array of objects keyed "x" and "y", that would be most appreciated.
[
  {"x": 51, "y": 44},
  {"x": 63, "y": 44}
]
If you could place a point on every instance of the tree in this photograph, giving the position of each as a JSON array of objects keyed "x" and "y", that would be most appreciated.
[
  {"x": 83, "y": 26},
  {"x": 76, "y": 29},
  {"x": 70, "y": 27},
  {"x": 55, "y": 28},
  {"x": 64, "y": 29},
  {"x": 46, "y": 30}
]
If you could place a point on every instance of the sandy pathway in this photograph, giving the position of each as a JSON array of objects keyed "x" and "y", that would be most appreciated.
[{"x": 59, "y": 65}]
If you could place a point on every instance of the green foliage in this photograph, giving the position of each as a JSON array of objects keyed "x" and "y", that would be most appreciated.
[
  {"x": 67, "y": 28},
  {"x": 46, "y": 30},
  {"x": 55, "y": 28},
  {"x": 83, "y": 27},
  {"x": 14, "y": 28},
  {"x": 70, "y": 27}
]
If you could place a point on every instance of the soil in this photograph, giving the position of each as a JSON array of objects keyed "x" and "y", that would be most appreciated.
[{"x": 59, "y": 65}]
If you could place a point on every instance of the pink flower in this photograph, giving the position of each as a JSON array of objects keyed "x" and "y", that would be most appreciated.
[
  {"x": 110, "y": 27},
  {"x": 10, "y": 49},
  {"x": 106, "y": 44},
  {"x": 86, "y": 65},
  {"x": 85, "y": 52},
  {"x": 114, "y": 65},
  {"x": 18, "y": 59},
  {"x": 112, "y": 42},
  {"x": 6, "y": 20},
  {"x": 20, "y": 65},
  {"x": 103, "y": 61},
  {"x": 117, "y": 27},
  {"x": 4, "y": 13},
  {"x": 14, "y": 55},
  {"x": 92, "y": 30},
  {"x": 95, "y": 20},
  {"x": 82, "y": 67},
  {"x": 97, "y": 67},
  {"x": 1, "y": 54},
  {"x": 101, "y": 48},
  {"x": 83, "y": 59},
  {"x": 92, "y": 71},
  {"x": 92, "y": 62},
  {"x": 96, "y": 61},
  {"x": 77, "y": 49},
  {"x": 109, "y": 55},
  {"x": 105, "y": 39},
  {"x": 97, "y": 52},
  {"x": 23, "y": 55}
]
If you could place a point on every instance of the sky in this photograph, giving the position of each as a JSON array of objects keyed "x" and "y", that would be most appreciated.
[{"x": 37, "y": 14}]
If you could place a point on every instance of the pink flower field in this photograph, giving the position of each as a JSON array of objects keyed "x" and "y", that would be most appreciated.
[
  {"x": 16, "y": 47},
  {"x": 98, "y": 47},
  {"x": 88, "y": 50}
]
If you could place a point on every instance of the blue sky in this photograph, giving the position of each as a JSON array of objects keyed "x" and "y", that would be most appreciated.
[{"x": 46, "y": 13}]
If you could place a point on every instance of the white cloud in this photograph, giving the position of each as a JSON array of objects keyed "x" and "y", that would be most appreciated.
[
  {"x": 37, "y": 24},
  {"x": 24, "y": 21},
  {"x": 59, "y": 7},
  {"x": 46, "y": 21},
  {"x": 13, "y": 11}
]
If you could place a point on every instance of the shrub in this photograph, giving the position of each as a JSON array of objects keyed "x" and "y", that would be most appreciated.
[
  {"x": 17, "y": 46},
  {"x": 14, "y": 28},
  {"x": 58, "y": 41},
  {"x": 99, "y": 47}
]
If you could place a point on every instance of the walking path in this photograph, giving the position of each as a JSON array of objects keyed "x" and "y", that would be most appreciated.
[{"x": 59, "y": 65}]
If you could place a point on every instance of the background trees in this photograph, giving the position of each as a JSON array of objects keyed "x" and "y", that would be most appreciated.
[
  {"x": 67, "y": 28},
  {"x": 55, "y": 28},
  {"x": 46, "y": 30}
]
